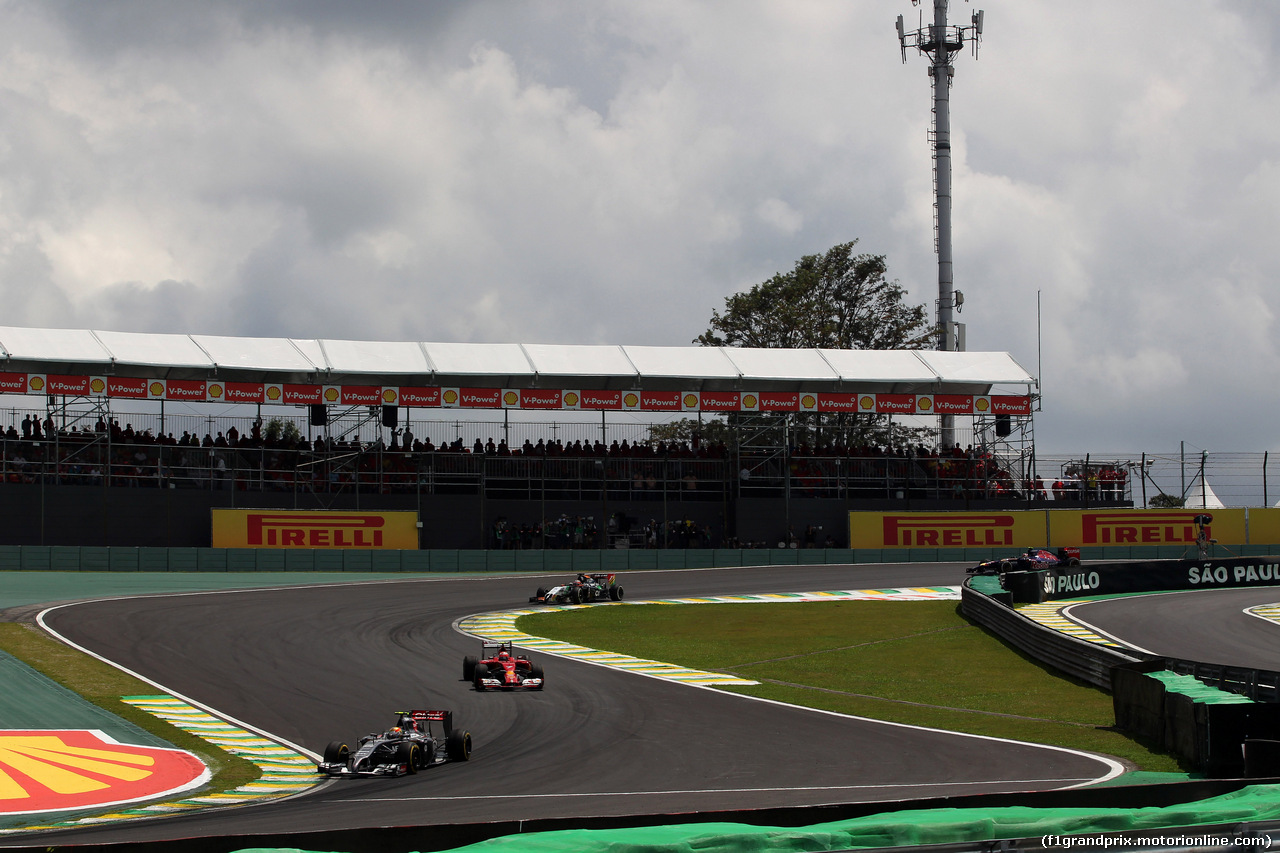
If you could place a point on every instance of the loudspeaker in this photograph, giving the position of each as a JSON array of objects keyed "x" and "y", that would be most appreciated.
[
  {"x": 390, "y": 416},
  {"x": 319, "y": 414},
  {"x": 1004, "y": 425}
]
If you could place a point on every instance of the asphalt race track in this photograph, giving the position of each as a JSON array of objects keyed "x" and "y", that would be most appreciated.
[
  {"x": 314, "y": 664},
  {"x": 1207, "y": 625}
]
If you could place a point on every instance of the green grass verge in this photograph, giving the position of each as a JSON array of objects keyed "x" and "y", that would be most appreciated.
[
  {"x": 917, "y": 662},
  {"x": 103, "y": 686}
]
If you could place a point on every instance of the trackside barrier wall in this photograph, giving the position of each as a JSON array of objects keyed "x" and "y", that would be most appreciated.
[
  {"x": 1209, "y": 731},
  {"x": 1211, "y": 734},
  {"x": 1088, "y": 662},
  {"x": 76, "y": 558}
]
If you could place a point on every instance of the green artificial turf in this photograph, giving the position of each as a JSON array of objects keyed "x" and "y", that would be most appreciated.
[{"x": 917, "y": 662}]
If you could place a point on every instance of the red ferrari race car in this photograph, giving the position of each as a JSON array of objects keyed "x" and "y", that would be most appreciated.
[
  {"x": 501, "y": 668},
  {"x": 1034, "y": 558}
]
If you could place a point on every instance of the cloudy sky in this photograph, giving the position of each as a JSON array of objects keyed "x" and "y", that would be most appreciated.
[{"x": 608, "y": 172}]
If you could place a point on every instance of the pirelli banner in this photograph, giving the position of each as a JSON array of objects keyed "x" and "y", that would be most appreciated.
[
  {"x": 1054, "y": 528},
  {"x": 272, "y": 528}
]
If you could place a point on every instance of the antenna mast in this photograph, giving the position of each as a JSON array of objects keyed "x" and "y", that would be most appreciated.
[{"x": 940, "y": 43}]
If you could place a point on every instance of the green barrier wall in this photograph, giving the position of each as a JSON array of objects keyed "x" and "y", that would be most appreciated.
[{"x": 71, "y": 558}]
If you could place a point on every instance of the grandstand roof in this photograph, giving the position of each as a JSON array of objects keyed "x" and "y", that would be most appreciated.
[{"x": 503, "y": 365}]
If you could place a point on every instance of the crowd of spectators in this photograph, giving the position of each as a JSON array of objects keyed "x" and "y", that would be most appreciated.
[{"x": 271, "y": 458}]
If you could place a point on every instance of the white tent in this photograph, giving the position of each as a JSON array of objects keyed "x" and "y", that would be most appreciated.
[{"x": 1200, "y": 495}]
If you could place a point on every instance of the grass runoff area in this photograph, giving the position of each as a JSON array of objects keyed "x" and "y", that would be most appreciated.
[
  {"x": 917, "y": 662},
  {"x": 103, "y": 685}
]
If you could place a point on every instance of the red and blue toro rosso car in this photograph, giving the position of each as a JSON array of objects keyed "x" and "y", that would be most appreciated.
[
  {"x": 1034, "y": 558},
  {"x": 407, "y": 747},
  {"x": 499, "y": 667}
]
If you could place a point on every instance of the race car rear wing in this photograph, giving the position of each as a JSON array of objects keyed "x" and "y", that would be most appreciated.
[{"x": 445, "y": 717}]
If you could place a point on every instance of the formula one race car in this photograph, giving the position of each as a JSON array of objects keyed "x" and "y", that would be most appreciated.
[
  {"x": 583, "y": 589},
  {"x": 500, "y": 667},
  {"x": 1034, "y": 558},
  {"x": 407, "y": 747}
]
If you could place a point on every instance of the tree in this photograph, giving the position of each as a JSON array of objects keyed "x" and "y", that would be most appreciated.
[
  {"x": 838, "y": 300},
  {"x": 283, "y": 431}
]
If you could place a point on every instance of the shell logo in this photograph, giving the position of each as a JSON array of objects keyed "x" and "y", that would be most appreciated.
[
  {"x": 97, "y": 386},
  {"x": 749, "y": 401},
  {"x": 450, "y": 397},
  {"x": 631, "y": 400},
  {"x": 510, "y": 398},
  {"x": 215, "y": 390},
  {"x": 570, "y": 399},
  {"x": 690, "y": 401},
  {"x": 331, "y": 395},
  {"x": 53, "y": 770},
  {"x": 36, "y": 383},
  {"x": 866, "y": 403},
  {"x": 273, "y": 392},
  {"x": 389, "y": 396},
  {"x": 982, "y": 404},
  {"x": 924, "y": 404},
  {"x": 156, "y": 389}
]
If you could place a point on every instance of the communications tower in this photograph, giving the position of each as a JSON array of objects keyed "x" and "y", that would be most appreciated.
[{"x": 940, "y": 42}]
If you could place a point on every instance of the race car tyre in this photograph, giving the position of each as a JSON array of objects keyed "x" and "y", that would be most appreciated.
[
  {"x": 575, "y": 597},
  {"x": 336, "y": 752},
  {"x": 469, "y": 667},
  {"x": 536, "y": 672},
  {"x": 481, "y": 672},
  {"x": 410, "y": 755},
  {"x": 615, "y": 593},
  {"x": 1073, "y": 562},
  {"x": 541, "y": 593},
  {"x": 458, "y": 745}
]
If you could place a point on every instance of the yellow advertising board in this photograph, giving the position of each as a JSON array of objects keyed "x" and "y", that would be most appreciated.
[
  {"x": 1090, "y": 528},
  {"x": 282, "y": 528},
  {"x": 947, "y": 529},
  {"x": 1264, "y": 526}
]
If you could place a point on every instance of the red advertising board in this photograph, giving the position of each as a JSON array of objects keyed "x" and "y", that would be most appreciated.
[
  {"x": 531, "y": 399},
  {"x": 301, "y": 395},
  {"x": 125, "y": 387},
  {"x": 837, "y": 402},
  {"x": 720, "y": 401},
  {"x": 184, "y": 389},
  {"x": 1010, "y": 405},
  {"x": 660, "y": 401},
  {"x": 423, "y": 398},
  {"x": 78, "y": 385},
  {"x": 243, "y": 392},
  {"x": 361, "y": 395},
  {"x": 480, "y": 398},
  {"x": 952, "y": 404},
  {"x": 600, "y": 399},
  {"x": 13, "y": 383},
  {"x": 775, "y": 401},
  {"x": 896, "y": 404}
]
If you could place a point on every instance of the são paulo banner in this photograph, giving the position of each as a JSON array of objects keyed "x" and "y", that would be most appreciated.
[
  {"x": 1058, "y": 527},
  {"x": 289, "y": 394},
  {"x": 282, "y": 528}
]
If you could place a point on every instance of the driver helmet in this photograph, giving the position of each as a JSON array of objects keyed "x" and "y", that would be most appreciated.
[
  {"x": 395, "y": 731},
  {"x": 504, "y": 655}
]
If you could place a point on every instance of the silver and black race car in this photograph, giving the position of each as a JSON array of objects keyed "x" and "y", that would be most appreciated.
[
  {"x": 407, "y": 747},
  {"x": 584, "y": 589}
]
